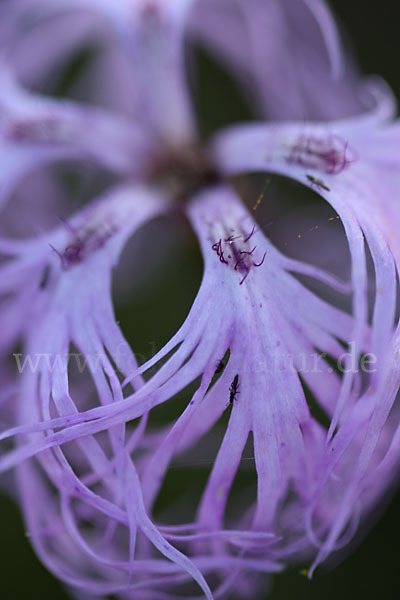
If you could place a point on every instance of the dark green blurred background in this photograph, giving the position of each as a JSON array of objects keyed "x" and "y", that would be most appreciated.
[{"x": 371, "y": 571}]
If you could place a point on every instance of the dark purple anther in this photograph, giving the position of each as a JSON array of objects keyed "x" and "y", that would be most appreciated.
[{"x": 330, "y": 155}]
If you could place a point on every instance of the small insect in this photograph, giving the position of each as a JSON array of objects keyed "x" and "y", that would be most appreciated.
[
  {"x": 44, "y": 280},
  {"x": 234, "y": 389},
  {"x": 220, "y": 367},
  {"x": 318, "y": 182}
]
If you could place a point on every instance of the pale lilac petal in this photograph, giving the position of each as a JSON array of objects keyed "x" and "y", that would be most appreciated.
[
  {"x": 286, "y": 52},
  {"x": 281, "y": 422},
  {"x": 152, "y": 35},
  {"x": 279, "y": 390},
  {"x": 35, "y": 130},
  {"x": 26, "y": 45},
  {"x": 361, "y": 186}
]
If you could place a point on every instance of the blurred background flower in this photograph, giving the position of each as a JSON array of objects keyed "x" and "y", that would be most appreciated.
[{"x": 143, "y": 128}]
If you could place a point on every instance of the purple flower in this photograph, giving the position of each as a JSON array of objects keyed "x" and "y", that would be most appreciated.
[{"x": 259, "y": 346}]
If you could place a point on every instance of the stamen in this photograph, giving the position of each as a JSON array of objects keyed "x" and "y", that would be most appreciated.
[
  {"x": 231, "y": 239},
  {"x": 84, "y": 243},
  {"x": 249, "y": 253},
  {"x": 330, "y": 155},
  {"x": 218, "y": 249},
  {"x": 243, "y": 258},
  {"x": 239, "y": 262},
  {"x": 245, "y": 277},
  {"x": 45, "y": 130},
  {"x": 262, "y": 261},
  {"x": 238, "y": 258},
  {"x": 250, "y": 234}
]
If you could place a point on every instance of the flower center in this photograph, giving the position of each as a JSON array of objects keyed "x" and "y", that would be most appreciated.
[{"x": 182, "y": 172}]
